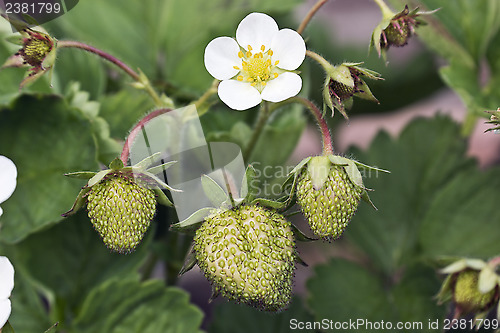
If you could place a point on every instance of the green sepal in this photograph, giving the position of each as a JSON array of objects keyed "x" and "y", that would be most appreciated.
[
  {"x": 342, "y": 74},
  {"x": 248, "y": 191},
  {"x": 366, "y": 198},
  {"x": 350, "y": 168},
  {"x": 116, "y": 164},
  {"x": 319, "y": 169},
  {"x": 79, "y": 202},
  {"x": 366, "y": 93},
  {"x": 214, "y": 192},
  {"x": 81, "y": 174},
  {"x": 18, "y": 24},
  {"x": 193, "y": 221},
  {"x": 369, "y": 168},
  {"x": 189, "y": 262},
  {"x": 462, "y": 264},
  {"x": 160, "y": 168},
  {"x": 299, "y": 260},
  {"x": 142, "y": 165},
  {"x": 301, "y": 164},
  {"x": 479, "y": 319},
  {"x": 364, "y": 71},
  {"x": 15, "y": 39},
  {"x": 487, "y": 280},
  {"x": 51, "y": 328},
  {"x": 7, "y": 328},
  {"x": 30, "y": 19},
  {"x": 159, "y": 181},
  {"x": 446, "y": 292},
  {"x": 300, "y": 236},
  {"x": 162, "y": 198},
  {"x": 292, "y": 177},
  {"x": 498, "y": 312},
  {"x": 214, "y": 295},
  {"x": 268, "y": 203},
  {"x": 98, "y": 177}
]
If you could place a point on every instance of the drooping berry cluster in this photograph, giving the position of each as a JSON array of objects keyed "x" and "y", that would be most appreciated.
[
  {"x": 329, "y": 208},
  {"x": 121, "y": 211},
  {"x": 248, "y": 253}
]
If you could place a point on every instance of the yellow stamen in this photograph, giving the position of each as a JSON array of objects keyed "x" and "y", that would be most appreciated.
[
  {"x": 249, "y": 54},
  {"x": 240, "y": 78},
  {"x": 250, "y": 79},
  {"x": 276, "y": 75},
  {"x": 249, "y": 48},
  {"x": 264, "y": 83},
  {"x": 263, "y": 48},
  {"x": 253, "y": 84},
  {"x": 236, "y": 67},
  {"x": 276, "y": 63},
  {"x": 270, "y": 52},
  {"x": 240, "y": 54}
]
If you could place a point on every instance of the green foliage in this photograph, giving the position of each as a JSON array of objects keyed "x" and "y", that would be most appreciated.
[
  {"x": 45, "y": 138},
  {"x": 229, "y": 317},
  {"x": 428, "y": 201},
  {"x": 466, "y": 34},
  {"x": 166, "y": 39},
  {"x": 133, "y": 306}
]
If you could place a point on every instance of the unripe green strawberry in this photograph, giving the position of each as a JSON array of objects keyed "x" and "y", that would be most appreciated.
[
  {"x": 121, "y": 211},
  {"x": 328, "y": 197},
  {"x": 248, "y": 255},
  {"x": 397, "y": 34},
  {"x": 340, "y": 91},
  {"x": 467, "y": 295}
]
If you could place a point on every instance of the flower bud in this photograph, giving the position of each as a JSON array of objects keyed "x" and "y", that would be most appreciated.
[
  {"x": 472, "y": 285},
  {"x": 396, "y": 29},
  {"x": 345, "y": 81},
  {"x": 38, "y": 51},
  {"x": 468, "y": 297}
]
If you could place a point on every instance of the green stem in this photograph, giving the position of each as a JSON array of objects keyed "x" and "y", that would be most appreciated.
[
  {"x": 310, "y": 15},
  {"x": 386, "y": 11},
  {"x": 318, "y": 116},
  {"x": 320, "y": 60},
  {"x": 259, "y": 126},
  {"x": 136, "y": 130},
  {"x": 134, "y": 75},
  {"x": 211, "y": 91}
]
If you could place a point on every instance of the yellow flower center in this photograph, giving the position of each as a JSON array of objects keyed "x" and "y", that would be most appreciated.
[{"x": 257, "y": 68}]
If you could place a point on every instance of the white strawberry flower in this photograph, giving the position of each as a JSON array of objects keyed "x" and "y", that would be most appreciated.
[
  {"x": 6, "y": 286},
  {"x": 258, "y": 65},
  {"x": 8, "y": 175}
]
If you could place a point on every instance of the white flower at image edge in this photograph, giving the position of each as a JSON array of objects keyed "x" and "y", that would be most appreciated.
[
  {"x": 257, "y": 65},
  {"x": 6, "y": 286},
  {"x": 8, "y": 175}
]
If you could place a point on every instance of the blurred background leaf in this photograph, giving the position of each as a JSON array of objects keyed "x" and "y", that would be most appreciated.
[
  {"x": 229, "y": 317},
  {"x": 135, "y": 307},
  {"x": 45, "y": 138}
]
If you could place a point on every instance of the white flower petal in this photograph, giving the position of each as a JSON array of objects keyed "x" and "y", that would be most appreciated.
[
  {"x": 256, "y": 29},
  {"x": 286, "y": 85},
  {"x": 289, "y": 48},
  {"x": 6, "y": 278},
  {"x": 239, "y": 95},
  {"x": 8, "y": 175},
  {"x": 221, "y": 54},
  {"x": 5, "y": 309}
]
